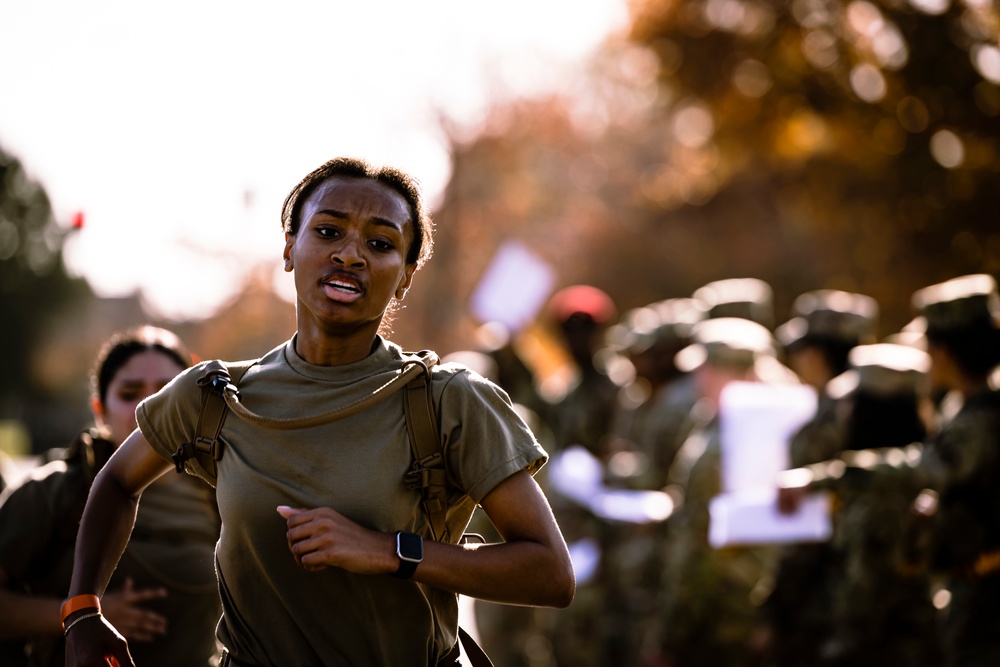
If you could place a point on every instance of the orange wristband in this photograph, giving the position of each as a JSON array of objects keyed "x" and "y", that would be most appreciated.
[{"x": 78, "y": 602}]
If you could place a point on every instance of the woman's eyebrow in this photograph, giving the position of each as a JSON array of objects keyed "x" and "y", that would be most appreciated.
[{"x": 375, "y": 220}]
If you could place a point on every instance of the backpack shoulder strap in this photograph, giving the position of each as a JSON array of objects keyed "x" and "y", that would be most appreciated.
[
  {"x": 200, "y": 457},
  {"x": 428, "y": 470}
]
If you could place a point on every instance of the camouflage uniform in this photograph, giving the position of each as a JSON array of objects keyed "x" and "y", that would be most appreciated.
[
  {"x": 579, "y": 634},
  {"x": 959, "y": 466},
  {"x": 711, "y": 611},
  {"x": 645, "y": 438},
  {"x": 825, "y": 325},
  {"x": 799, "y": 606},
  {"x": 882, "y": 608}
]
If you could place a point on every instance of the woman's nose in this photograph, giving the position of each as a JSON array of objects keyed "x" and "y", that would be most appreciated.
[{"x": 348, "y": 254}]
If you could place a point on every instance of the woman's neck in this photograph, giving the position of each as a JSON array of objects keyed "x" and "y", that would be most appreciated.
[{"x": 322, "y": 349}]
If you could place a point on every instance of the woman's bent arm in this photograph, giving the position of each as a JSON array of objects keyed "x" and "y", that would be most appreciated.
[
  {"x": 531, "y": 567},
  {"x": 104, "y": 531}
]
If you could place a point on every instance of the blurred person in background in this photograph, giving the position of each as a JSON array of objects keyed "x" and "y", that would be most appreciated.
[
  {"x": 327, "y": 554},
  {"x": 711, "y": 597},
  {"x": 825, "y": 326},
  {"x": 642, "y": 443},
  {"x": 958, "y": 467},
  {"x": 582, "y": 417},
  {"x": 749, "y": 299},
  {"x": 881, "y": 608},
  {"x": 651, "y": 409},
  {"x": 497, "y": 341},
  {"x": 583, "y": 314},
  {"x": 163, "y": 595}
]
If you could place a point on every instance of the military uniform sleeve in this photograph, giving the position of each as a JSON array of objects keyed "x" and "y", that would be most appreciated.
[
  {"x": 485, "y": 440},
  {"x": 169, "y": 417}
]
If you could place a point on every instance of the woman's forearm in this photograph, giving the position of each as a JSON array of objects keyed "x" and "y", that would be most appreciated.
[
  {"x": 23, "y": 616},
  {"x": 521, "y": 572},
  {"x": 110, "y": 513},
  {"x": 104, "y": 532}
]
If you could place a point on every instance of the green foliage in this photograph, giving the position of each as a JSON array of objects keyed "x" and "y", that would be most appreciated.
[{"x": 34, "y": 285}]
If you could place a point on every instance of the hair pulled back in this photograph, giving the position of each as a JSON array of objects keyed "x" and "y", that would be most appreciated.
[
  {"x": 404, "y": 184},
  {"x": 124, "y": 345}
]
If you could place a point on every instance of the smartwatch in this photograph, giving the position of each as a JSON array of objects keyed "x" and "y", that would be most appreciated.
[{"x": 410, "y": 550}]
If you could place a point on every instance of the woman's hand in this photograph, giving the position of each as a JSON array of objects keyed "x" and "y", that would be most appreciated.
[
  {"x": 321, "y": 538},
  {"x": 790, "y": 499},
  {"x": 123, "y": 610},
  {"x": 93, "y": 642}
]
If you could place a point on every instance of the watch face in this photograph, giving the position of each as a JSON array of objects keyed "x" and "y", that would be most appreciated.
[{"x": 409, "y": 547}]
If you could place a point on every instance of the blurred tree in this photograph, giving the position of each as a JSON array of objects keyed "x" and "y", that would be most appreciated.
[
  {"x": 811, "y": 143},
  {"x": 868, "y": 130},
  {"x": 34, "y": 285}
]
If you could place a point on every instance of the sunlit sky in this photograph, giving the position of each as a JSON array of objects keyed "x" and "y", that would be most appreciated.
[{"x": 178, "y": 128}]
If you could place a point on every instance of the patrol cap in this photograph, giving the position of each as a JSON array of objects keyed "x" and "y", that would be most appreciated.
[
  {"x": 636, "y": 331},
  {"x": 725, "y": 341},
  {"x": 659, "y": 322},
  {"x": 913, "y": 333},
  {"x": 959, "y": 303},
  {"x": 678, "y": 316},
  {"x": 748, "y": 298},
  {"x": 830, "y": 315},
  {"x": 884, "y": 369},
  {"x": 584, "y": 300}
]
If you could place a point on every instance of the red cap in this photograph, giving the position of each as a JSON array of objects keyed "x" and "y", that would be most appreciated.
[{"x": 582, "y": 300}]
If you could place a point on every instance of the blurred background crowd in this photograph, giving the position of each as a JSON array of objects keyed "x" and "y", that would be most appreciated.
[{"x": 730, "y": 175}]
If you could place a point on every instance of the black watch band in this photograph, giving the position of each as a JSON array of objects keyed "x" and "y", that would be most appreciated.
[{"x": 410, "y": 551}]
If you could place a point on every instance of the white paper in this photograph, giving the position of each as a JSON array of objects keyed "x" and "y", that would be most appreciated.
[
  {"x": 752, "y": 517},
  {"x": 514, "y": 287},
  {"x": 756, "y": 421}
]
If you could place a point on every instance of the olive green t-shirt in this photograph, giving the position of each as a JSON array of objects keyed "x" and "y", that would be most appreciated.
[
  {"x": 172, "y": 547},
  {"x": 276, "y": 614}
]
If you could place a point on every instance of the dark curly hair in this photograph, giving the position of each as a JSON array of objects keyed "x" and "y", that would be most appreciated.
[{"x": 404, "y": 184}]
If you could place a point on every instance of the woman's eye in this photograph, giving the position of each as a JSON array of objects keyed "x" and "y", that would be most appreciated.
[
  {"x": 129, "y": 396},
  {"x": 382, "y": 245},
  {"x": 327, "y": 232}
]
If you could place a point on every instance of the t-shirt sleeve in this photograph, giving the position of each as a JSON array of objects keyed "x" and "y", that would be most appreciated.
[
  {"x": 169, "y": 417},
  {"x": 485, "y": 440}
]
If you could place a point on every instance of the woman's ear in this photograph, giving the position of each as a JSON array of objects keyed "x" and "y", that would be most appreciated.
[
  {"x": 287, "y": 253},
  {"x": 97, "y": 409},
  {"x": 404, "y": 284}
]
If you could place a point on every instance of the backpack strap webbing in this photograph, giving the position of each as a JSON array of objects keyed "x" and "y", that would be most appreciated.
[
  {"x": 428, "y": 472},
  {"x": 200, "y": 457}
]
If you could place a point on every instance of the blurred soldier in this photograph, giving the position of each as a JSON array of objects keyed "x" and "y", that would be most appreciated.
[
  {"x": 711, "y": 596},
  {"x": 512, "y": 373},
  {"x": 881, "y": 609},
  {"x": 579, "y": 635},
  {"x": 583, "y": 416},
  {"x": 825, "y": 326},
  {"x": 958, "y": 467},
  {"x": 644, "y": 440},
  {"x": 750, "y": 299},
  {"x": 651, "y": 410}
]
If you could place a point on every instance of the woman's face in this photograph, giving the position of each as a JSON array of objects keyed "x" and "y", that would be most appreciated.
[
  {"x": 141, "y": 376},
  {"x": 349, "y": 254}
]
